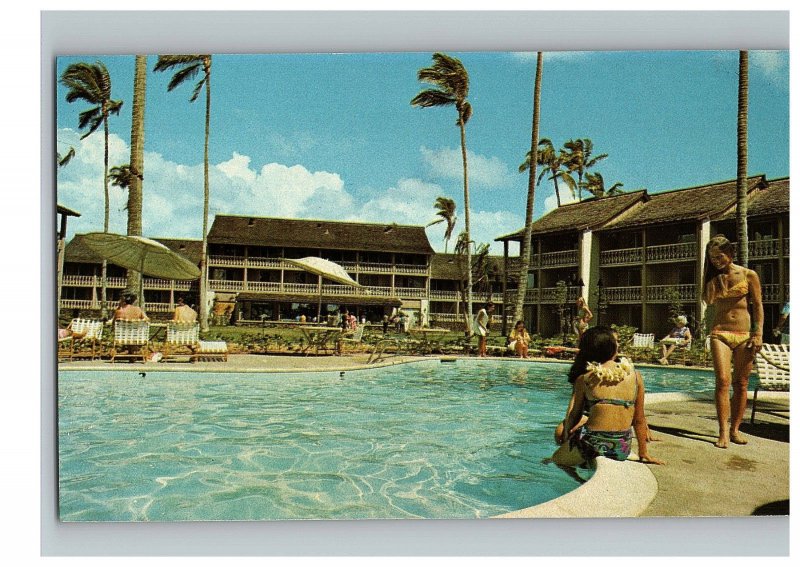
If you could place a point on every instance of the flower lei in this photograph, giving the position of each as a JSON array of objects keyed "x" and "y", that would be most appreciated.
[{"x": 613, "y": 375}]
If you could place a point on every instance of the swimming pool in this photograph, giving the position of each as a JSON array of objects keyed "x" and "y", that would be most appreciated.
[{"x": 425, "y": 440}]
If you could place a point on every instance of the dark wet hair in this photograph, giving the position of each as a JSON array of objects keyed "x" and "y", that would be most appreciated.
[
  {"x": 130, "y": 298},
  {"x": 709, "y": 271},
  {"x": 520, "y": 322},
  {"x": 598, "y": 344}
]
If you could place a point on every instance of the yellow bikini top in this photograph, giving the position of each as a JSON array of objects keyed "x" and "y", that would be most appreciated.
[{"x": 739, "y": 289}]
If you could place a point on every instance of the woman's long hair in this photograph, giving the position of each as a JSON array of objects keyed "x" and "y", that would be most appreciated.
[
  {"x": 709, "y": 271},
  {"x": 598, "y": 344}
]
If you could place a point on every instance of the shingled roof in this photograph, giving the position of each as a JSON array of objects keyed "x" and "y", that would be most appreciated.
[
  {"x": 770, "y": 200},
  {"x": 576, "y": 217},
  {"x": 446, "y": 267},
  {"x": 689, "y": 204},
  {"x": 76, "y": 250},
  {"x": 336, "y": 235}
]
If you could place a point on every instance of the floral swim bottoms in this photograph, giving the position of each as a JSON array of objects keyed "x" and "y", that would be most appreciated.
[{"x": 614, "y": 445}]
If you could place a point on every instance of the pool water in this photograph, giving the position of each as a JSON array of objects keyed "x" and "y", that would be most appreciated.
[{"x": 428, "y": 440}]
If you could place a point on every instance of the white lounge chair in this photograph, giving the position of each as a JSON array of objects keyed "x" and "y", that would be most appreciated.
[
  {"x": 772, "y": 365},
  {"x": 84, "y": 331},
  {"x": 642, "y": 343},
  {"x": 354, "y": 338},
  {"x": 209, "y": 350},
  {"x": 182, "y": 335},
  {"x": 130, "y": 334}
]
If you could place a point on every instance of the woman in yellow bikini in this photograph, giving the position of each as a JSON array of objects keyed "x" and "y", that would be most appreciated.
[{"x": 734, "y": 334}]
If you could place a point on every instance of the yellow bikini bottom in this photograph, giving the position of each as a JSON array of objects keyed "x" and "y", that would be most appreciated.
[{"x": 732, "y": 339}]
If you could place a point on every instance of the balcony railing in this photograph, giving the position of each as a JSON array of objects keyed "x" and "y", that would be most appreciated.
[
  {"x": 672, "y": 252},
  {"x": 771, "y": 293},
  {"x": 621, "y": 256},
  {"x": 765, "y": 248},
  {"x": 550, "y": 294},
  {"x": 560, "y": 258},
  {"x": 444, "y": 295},
  {"x": 785, "y": 246},
  {"x": 662, "y": 293},
  {"x": 355, "y": 267},
  {"x": 624, "y": 294},
  {"x": 149, "y": 283}
]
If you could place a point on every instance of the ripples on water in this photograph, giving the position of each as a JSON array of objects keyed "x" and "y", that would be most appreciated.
[{"x": 431, "y": 440}]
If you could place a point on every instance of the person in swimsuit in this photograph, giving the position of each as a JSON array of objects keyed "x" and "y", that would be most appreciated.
[
  {"x": 582, "y": 317},
  {"x": 519, "y": 339},
  {"x": 730, "y": 289},
  {"x": 680, "y": 335},
  {"x": 481, "y": 327},
  {"x": 613, "y": 395}
]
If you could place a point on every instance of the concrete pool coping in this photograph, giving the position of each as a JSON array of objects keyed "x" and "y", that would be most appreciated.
[{"x": 616, "y": 489}]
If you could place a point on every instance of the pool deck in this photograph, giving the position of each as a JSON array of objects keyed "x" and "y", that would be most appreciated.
[{"x": 698, "y": 479}]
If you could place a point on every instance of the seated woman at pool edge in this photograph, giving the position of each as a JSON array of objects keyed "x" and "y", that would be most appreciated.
[{"x": 613, "y": 392}]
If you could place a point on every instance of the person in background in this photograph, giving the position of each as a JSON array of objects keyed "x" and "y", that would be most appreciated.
[
  {"x": 184, "y": 313},
  {"x": 582, "y": 317},
  {"x": 736, "y": 336},
  {"x": 778, "y": 330},
  {"x": 481, "y": 327},
  {"x": 128, "y": 310},
  {"x": 519, "y": 339},
  {"x": 612, "y": 394},
  {"x": 385, "y": 323},
  {"x": 680, "y": 335}
]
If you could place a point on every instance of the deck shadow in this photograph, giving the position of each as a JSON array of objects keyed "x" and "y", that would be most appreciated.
[{"x": 777, "y": 508}]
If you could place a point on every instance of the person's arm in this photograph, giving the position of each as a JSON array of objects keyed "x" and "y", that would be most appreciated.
[
  {"x": 588, "y": 314},
  {"x": 640, "y": 424},
  {"x": 574, "y": 408},
  {"x": 757, "y": 326}
]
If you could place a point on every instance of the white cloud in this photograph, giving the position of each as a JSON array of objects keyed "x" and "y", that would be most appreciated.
[
  {"x": 485, "y": 171},
  {"x": 566, "y": 195},
  {"x": 173, "y": 196},
  {"x": 774, "y": 65}
]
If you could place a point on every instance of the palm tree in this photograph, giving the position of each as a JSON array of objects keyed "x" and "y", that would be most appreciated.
[
  {"x": 188, "y": 66},
  {"x": 546, "y": 156},
  {"x": 451, "y": 83},
  {"x": 579, "y": 160},
  {"x": 525, "y": 246},
  {"x": 460, "y": 250},
  {"x": 135, "y": 171},
  {"x": 61, "y": 161},
  {"x": 446, "y": 210},
  {"x": 483, "y": 271},
  {"x": 595, "y": 185},
  {"x": 741, "y": 162},
  {"x": 91, "y": 83}
]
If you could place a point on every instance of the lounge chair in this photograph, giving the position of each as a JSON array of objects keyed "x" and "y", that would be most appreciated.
[
  {"x": 210, "y": 350},
  {"x": 131, "y": 336},
  {"x": 353, "y": 339},
  {"x": 772, "y": 365},
  {"x": 642, "y": 343},
  {"x": 182, "y": 335},
  {"x": 84, "y": 332}
]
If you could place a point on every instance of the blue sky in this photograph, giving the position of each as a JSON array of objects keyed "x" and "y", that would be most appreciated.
[{"x": 333, "y": 136}]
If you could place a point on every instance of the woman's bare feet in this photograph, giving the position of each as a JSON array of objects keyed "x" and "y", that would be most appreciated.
[
  {"x": 722, "y": 443},
  {"x": 737, "y": 438}
]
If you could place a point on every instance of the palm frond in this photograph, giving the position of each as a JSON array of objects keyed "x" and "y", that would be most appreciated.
[
  {"x": 66, "y": 158},
  {"x": 92, "y": 118},
  {"x": 167, "y": 62},
  {"x": 432, "y": 97},
  {"x": 183, "y": 75}
]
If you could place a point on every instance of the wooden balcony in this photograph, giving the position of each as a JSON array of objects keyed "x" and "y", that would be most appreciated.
[
  {"x": 621, "y": 257},
  {"x": 771, "y": 293},
  {"x": 438, "y": 295},
  {"x": 683, "y": 252},
  {"x": 624, "y": 294},
  {"x": 557, "y": 259},
  {"x": 661, "y": 293},
  {"x": 120, "y": 283},
  {"x": 550, "y": 294},
  {"x": 765, "y": 248},
  {"x": 352, "y": 267}
]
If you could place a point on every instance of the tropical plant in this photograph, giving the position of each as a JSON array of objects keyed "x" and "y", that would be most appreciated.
[
  {"x": 446, "y": 210},
  {"x": 552, "y": 163},
  {"x": 135, "y": 173},
  {"x": 461, "y": 251},
  {"x": 741, "y": 162},
  {"x": 595, "y": 185},
  {"x": 451, "y": 88},
  {"x": 91, "y": 83},
  {"x": 188, "y": 66},
  {"x": 61, "y": 161},
  {"x": 525, "y": 246},
  {"x": 578, "y": 158},
  {"x": 483, "y": 271},
  {"x": 674, "y": 304}
]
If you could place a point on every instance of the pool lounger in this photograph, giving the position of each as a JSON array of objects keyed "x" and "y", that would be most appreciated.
[{"x": 207, "y": 350}]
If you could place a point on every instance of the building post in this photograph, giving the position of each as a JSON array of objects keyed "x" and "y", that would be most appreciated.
[
  {"x": 505, "y": 286},
  {"x": 703, "y": 236}
]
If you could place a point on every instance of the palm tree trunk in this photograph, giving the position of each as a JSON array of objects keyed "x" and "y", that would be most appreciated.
[
  {"x": 104, "y": 272},
  {"x": 741, "y": 162},
  {"x": 525, "y": 247},
  {"x": 468, "y": 313},
  {"x": 558, "y": 197},
  {"x": 203, "y": 275},
  {"x": 137, "y": 166}
]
